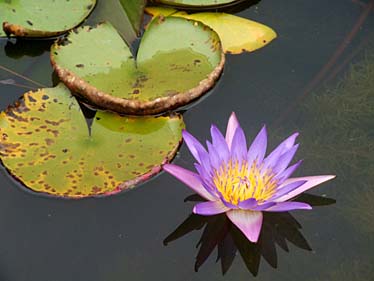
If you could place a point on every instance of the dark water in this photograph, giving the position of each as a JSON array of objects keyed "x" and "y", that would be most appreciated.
[{"x": 121, "y": 237}]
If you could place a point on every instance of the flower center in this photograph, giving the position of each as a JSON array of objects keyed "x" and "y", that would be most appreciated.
[{"x": 237, "y": 182}]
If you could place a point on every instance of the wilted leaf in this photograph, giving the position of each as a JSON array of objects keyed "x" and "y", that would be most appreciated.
[
  {"x": 237, "y": 34},
  {"x": 45, "y": 143},
  {"x": 196, "y": 3},
  {"x": 171, "y": 68},
  {"x": 42, "y": 18}
]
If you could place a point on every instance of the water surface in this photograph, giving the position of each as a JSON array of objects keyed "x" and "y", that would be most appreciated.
[{"x": 121, "y": 237}]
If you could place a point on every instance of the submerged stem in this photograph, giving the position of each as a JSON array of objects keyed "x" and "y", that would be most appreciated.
[{"x": 22, "y": 76}]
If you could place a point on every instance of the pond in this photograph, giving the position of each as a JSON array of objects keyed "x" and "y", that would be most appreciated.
[{"x": 285, "y": 85}]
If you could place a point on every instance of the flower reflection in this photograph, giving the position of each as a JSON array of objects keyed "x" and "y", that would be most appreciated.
[{"x": 219, "y": 232}]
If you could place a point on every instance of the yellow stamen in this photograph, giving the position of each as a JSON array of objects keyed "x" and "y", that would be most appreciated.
[{"x": 237, "y": 182}]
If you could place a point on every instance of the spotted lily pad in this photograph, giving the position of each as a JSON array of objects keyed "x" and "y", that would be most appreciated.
[
  {"x": 45, "y": 143},
  {"x": 171, "y": 68},
  {"x": 42, "y": 18},
  {"x": 196, "y": 3},
  {"x": 237, "y": 34}
]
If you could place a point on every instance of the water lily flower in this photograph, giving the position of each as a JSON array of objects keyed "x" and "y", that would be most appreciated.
[{"x": 242, "y": 182}]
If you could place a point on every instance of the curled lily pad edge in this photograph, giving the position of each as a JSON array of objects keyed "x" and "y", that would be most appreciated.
[{"x": 102, "y": 100}]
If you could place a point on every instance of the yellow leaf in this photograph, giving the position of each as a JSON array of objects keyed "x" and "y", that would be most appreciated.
[{"x": 237, "y": 34}]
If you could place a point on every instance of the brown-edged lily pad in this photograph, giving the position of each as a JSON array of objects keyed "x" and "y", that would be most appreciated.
[
  {"x": 178, "y": 60},
  {"x": 45, "y": 143},
  {"x": 42, "y": 18}
]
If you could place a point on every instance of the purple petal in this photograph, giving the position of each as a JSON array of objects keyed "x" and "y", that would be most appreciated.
[
  {"x": 219, "y": 143},
  {"x": 210, "y": 208},
  {"x": 288, "y": 172},
  {"x": 213, "y": 156},
  {"x": 189, "y": 178},
  {"x": 285, "y": 189},
  {"x": 257, "y": 149},
  {"x": 205, "y": 162},
  {"x": 288, "y": 206},
  {"x": 264, "y": 206},
  {"x": 226, "y": 203},
  {"x": 239, "y": 145},
  {"x": 231, "y": 128},
  {"x": 285, "y": 159},
  {"x": 310, "y": 182},
  {"x": 205, "y": 179},
  {"x": 271, "y": 160},
  {"x": 193, "y": 145},
  {"x": 285, "y": 145},
  {"x": 248, "y": 204},
  {"x": 248, "y": 222}
]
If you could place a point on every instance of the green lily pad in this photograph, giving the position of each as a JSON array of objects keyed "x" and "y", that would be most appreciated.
[
  {"x": 171, "y": 68},
  {"x": 42, "y": 18},
  {"x": 195, "y": 3},
  {"x": 45, "y": 143},
  {"x": 237, "y": 34},
  {"x": 134, "y": 9},
  {"x": 125, "y": 15}
]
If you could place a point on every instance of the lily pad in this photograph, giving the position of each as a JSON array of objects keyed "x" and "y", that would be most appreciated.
[
  {"x": 125, "y": 15},
  {"x": 45, "y": 143},
  {"x": 42, "y": 18},
  {"x": 237, "y": 34},
  {"x": 196, "y": 3},
  {"x": 134, "y": 9},
  {"x": 171, "y": 68}
]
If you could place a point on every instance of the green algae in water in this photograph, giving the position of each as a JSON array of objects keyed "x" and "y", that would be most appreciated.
[
  {"x": 343, "y": 140},
  {"x": 360, "y": 209},
  {"x": 340, "y": 121},
  {"x": 353, "y": 270}
]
